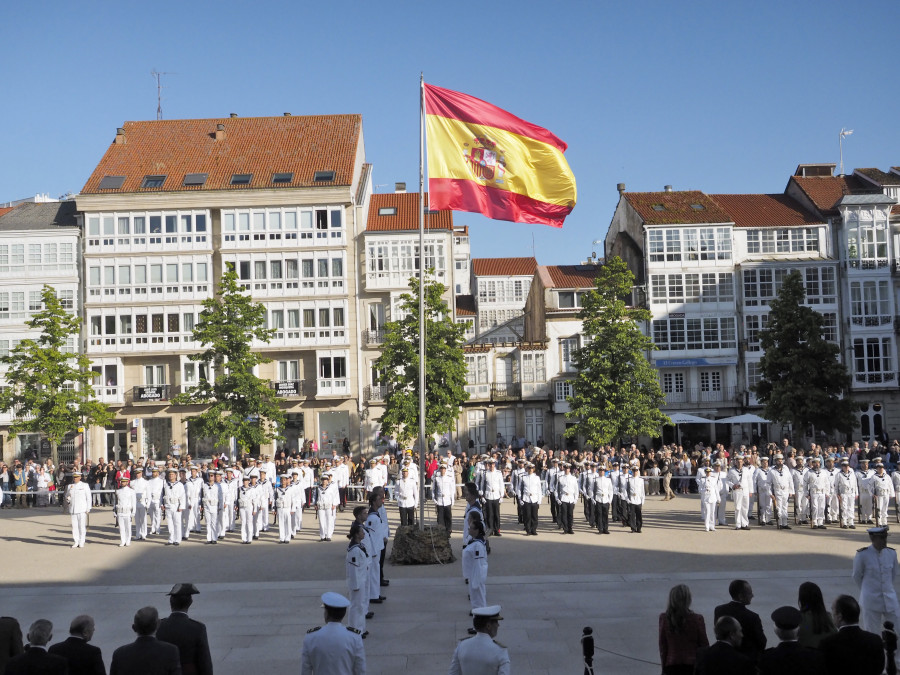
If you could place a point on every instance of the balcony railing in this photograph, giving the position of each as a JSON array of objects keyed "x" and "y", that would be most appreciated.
[
  {"x": 152, "y": 393},
  {"x": 875, "y": 378},
  {"x": 373, "y": 337},
  {"x": 109, "y": 393},
  {"x": 506, "y": 391},
  {"x": 290, "y": 388},
  {"x": 375, "y": 393},
  {"x": 699, "y": 396}
]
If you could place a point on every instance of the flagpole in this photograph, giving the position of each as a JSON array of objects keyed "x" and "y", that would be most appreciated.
[{"x": 421, "y": 301}]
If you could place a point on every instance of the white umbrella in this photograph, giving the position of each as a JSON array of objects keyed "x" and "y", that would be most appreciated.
[
  {"x": 684, "y": 418},
  {"x": 746, "y": 418}
]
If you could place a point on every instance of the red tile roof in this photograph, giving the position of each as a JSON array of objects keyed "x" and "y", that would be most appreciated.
[
  {"x": 465, "y": 305},
  {"x": 503, "y": 267},
  {"x": 261, "y": 146},
  {"x": 765, "y": 211},
  {"x": 676, "y": 208},
  {"x": 571, "y": 276},
  {"x": 407, "y": 213},
  {"x": 6, "y": 209},
  {"x": 826, "y": 191}
]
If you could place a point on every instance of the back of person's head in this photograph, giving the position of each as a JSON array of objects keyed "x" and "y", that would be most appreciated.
[
  {"x": 146, "y": 621},
  {"x": 82, "y": 626},
  {"x": 736, "y": 588},
  {"x": 726, "y": 628},
  {"x": 679, "y": 607},
  {"x": 848, "y": 608},
  {"x": 180, "y": 602},
  {"x": 472, "y": 489},
  {"x": 335, "y": 613},
  {"x": 40, "y": 633}
]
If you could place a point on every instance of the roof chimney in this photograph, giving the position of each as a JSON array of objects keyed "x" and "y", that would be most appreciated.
[
  {"x": 220, "y": 132},
  {"x": 621, "y": 188},
  {"x": 233, "y": 115},
  {"x": 399, "y": 187},
  {"x": 120, "y": 136},
  {"x": 667, "y": 188},
  {"x": 287, "y": 114}
]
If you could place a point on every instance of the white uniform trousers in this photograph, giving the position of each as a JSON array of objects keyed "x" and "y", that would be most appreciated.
[
  {"x": 284, "y": 525},
  {"x": 359, "y": 605},
  {"x": 741, "y": 507},
  {"x": 140, "y": 521},
  {"x": 224, "y": 517},
  {"x": 865, "y": 506},
  {"x": 212, "y": 524},
  {"x": 186, "y": 522},
  {"x": 709, "y": 515},
  {"x": 881, "y": 510},
  {"x": 781, "y": 503},
  {"x": 326, "y": 522},
  {"x": 817, "y": 508},
  {"x": 193, "y": 519},
  {"x": 297, "y": 520},
  {"x": 230, "y": 519},
  {"x": 262, "y": 518},
  {"x": 173, "y": 518},
  {"x": 247, "y": 521},
  {"x": 374, "y": 585},
  {"x": 124, "y": 529},
  {"x": 802, "y": 504},
  {"x": 834, "y": 505},
  {"x": 848, "y": 509},
  {"x": 79, "y": 528},
  {"x": 765, "y": 507},
  {"x": 155, "y": 514},
  {"x": 720, "y": 512}
]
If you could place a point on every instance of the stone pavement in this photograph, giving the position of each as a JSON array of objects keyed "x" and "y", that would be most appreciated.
[{"x": 258, "y": 601}]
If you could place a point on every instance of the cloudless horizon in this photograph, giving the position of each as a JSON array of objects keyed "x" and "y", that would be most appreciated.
[{"x": 711, "y": 96}]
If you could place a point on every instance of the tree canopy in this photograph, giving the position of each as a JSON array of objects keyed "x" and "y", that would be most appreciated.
[
  {"x": 616, "y": 392},
  {"x": 240, "y": 405},
  {"x": 803, "y": 381},
  {"x": 445, "y": 366}
]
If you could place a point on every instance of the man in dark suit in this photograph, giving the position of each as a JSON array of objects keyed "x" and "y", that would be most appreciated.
[
  {"x": 754, "y": 641},
  {"x": 83, "y": 659},
  {"x": 723, "y": 656},
  {"x": 35, "y": 660},
  {"x": 146, "y": 655},
  {"x": 185, "y": 633},
  {"x": 851, "y": 649},
  {"x": 789, "y": 658},
  {"x": 10, "y": 640}
]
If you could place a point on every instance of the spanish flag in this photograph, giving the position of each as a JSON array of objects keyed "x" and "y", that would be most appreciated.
[{"x": 484, "y": 159}]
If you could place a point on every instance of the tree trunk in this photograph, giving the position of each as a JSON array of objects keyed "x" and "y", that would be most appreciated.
[{"x": 54, "y": 453}]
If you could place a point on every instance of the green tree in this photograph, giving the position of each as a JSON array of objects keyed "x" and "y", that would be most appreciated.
[
  {"x": 240, "y": 405},
  {"x": 616, "y": 392},
  {"x": 803, "y": 382},
  {"x": 445, "y": 366},
  {"x": 48, "y": 383}
]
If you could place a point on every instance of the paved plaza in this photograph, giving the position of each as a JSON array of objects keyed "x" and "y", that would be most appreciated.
[{"x": 258, "y": 601}]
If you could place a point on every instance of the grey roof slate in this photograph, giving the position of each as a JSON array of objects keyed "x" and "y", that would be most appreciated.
[{"x": 43, "y": 216}]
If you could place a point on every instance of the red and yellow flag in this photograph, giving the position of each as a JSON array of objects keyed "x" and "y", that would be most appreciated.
[{"x": 484, "y": 159}]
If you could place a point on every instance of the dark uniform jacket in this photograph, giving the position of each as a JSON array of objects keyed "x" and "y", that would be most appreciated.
[
  {"x": 36, "y": 661},
  {"x": 789, "y": 658},
  {"x": 146, "y": 656},
  {"x": 722, "y": 657},
  {"x": 853, "y": 650},
  {"x": 190, "y": 638},
  {"x": 83, "y": 658},
  {"x": 754, "y": 641},
  {"x": 10, "y": 640}
]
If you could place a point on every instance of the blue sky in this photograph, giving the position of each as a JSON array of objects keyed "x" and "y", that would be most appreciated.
[{"x": 717, "y": 96}]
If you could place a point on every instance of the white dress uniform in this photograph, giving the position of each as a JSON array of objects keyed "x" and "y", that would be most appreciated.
[
  {"x": 327, "y": 500},
  {"x": 723, "y": 496},
  {"x": 212, "y": 496},
  {"x": 895, "y": 477},
  {"x": 833, "y": 500},
  {"x": 710, "y": 495},
  {"x": 480, "y": 655},
  {"x": 265, "y": 495},
  {"x": 866, "y": 494},
  {"x": 357, "y": 564},
  {"x": 874, "y": 573},
  {"x": 297, "y": 496},
  {"x": 782, "y": 484},
  {"x": 475, "y": 565},
  {"x": 126, "y": 505},
  {"x": 246, "y": 503},
  {"x": 819, "y": 486},
  {"x": 284, "y": 507},
  {"x": 192, "y": 489},
  {"x": 174, "y": 501},
  {"x": 154, "y": 512},
  {"x": 142, "y": 497},
  {"x": 883, "y": 488},
  {"x": 740, "y": 482},
  {"x": 801, "y": 496},
  {"x": 374, "y": 530},
  {"x": 763, "y": 495},
  {"x": 333, "y": 649},
  {"x": 78, "y": 503},
  {"x": 847, "y": 490}
]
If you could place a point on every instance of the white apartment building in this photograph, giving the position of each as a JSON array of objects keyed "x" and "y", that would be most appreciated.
[
  {"x": 500, "y": 287},
  {"x": 40, "y": 243},
  {"x": 707, "y": 267},
  {"x": 170, "y": 206}
]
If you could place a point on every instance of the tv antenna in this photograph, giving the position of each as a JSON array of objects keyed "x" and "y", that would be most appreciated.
[{"x": 158, "y": 77}]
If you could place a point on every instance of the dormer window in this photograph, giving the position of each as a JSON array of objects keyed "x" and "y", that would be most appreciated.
[
  {"x": 195, "y": 179},
  {"x": 153, "y": 181},
  {"x": 323, "y": 176},
  {"x": 111, "y": 182},
  {"x": 658, "y": 207},
  {"x": 698, "y": 207},
  {"x": 241, "y": 178},
  {"x": 387, "y": 211},
  {"x": 283, "y": 177}
]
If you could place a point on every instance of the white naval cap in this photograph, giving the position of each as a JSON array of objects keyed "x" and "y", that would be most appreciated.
[
  {"x": 490, "y": 612},
  {"x": 335, "y": 600}
]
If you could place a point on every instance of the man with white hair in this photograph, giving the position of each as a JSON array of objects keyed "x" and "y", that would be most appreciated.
[{"x": 36, "y": 658}]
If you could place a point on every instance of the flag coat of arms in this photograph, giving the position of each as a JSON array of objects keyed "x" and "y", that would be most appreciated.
[{"x": 483, "y": 159}]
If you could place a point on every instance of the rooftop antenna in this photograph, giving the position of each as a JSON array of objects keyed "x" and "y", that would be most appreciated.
[
  {"x": 158, "y": 77},
  {"x": 844, "y": 132}
]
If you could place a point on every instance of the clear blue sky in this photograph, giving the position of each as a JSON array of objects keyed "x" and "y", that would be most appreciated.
[{"x": 715, "y": 96}]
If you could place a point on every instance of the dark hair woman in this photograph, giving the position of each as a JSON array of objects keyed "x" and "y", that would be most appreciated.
[{"x": 816, "y": 621}]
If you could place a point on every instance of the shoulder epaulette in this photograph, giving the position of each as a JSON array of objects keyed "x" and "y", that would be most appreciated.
[
  {"x": 353, "y": 630},
  {"x": 860, "y": 550},
  {"x": 499, "y": 644},
  {"x": 313, "y": 630},
  {"x": 468, "y": 637}
]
